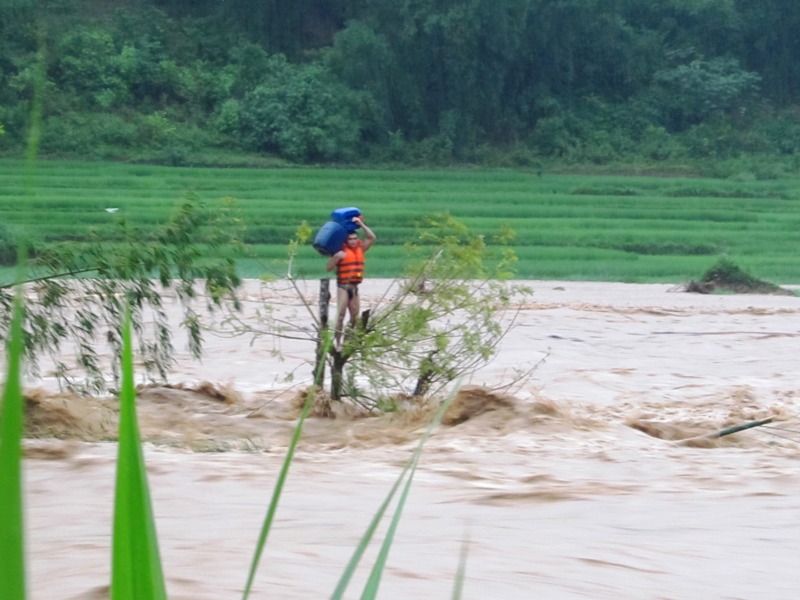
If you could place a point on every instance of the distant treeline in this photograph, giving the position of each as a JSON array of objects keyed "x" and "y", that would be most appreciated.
[{"x": 407, "y": 81}]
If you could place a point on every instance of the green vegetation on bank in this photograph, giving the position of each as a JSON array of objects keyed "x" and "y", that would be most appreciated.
[
  {"x": 575, "y": 227},
  {"x": 430, "y": 82}
]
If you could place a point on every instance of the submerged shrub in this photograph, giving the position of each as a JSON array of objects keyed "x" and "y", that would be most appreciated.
[{"x": 727, "y": 275}]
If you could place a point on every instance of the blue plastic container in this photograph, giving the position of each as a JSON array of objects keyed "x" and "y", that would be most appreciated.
[
  {"x": 344, "y": 216},
  {"x": 329, "y": 238}
]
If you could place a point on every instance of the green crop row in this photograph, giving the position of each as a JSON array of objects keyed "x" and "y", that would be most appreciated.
[{"x": 560, "y": 221}]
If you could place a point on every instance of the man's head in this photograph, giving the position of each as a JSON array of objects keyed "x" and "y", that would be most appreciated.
[{"x": 352, "y": 239}]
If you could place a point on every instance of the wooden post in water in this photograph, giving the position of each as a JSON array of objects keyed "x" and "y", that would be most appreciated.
[{"x": 324, "y": 301}]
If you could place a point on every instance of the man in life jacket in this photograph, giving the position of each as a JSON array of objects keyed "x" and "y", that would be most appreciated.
[{"x": 349, "y": 264}]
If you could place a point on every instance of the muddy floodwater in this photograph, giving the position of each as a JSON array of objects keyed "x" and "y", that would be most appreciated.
[{"x": 572, "y": 483}]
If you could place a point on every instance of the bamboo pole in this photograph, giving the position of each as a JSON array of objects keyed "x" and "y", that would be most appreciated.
[{"x": 324, "y": 302}]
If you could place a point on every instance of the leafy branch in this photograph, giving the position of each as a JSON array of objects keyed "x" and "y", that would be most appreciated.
[{"x": 77, "y": 293}]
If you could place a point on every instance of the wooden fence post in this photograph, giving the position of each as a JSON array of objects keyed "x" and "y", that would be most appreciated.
[{"x": 324, "y": 301}]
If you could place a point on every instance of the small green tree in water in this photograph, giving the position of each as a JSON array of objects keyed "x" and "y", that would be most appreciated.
[
  {"x": 728, "y": 276},
  {"x": 448, "y": 317},
  {"x": 441, "y": 322}
]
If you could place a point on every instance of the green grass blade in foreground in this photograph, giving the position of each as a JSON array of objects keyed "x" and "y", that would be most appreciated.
[
  {"x": 276, "y": 493},
  {"x": 374, "y": 579},
  {"x": 136, "y": 564},
  {"x": 373, "y": 583},
  {"x": 462, "y": 569},
  {"x": 12, "y": 541},
  {"x": 350, "y": 569}
]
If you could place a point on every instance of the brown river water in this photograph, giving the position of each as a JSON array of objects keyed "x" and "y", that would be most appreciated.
[{"x": 570, "y": 484}]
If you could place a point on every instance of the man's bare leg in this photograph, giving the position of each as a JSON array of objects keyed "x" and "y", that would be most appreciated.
[
  {"x": 354, "y": 305},
  {"x": 342, "y": 305},
  {"x": 351, "y": 307}
]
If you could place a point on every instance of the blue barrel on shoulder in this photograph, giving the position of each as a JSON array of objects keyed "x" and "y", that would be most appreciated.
[
  {"x": 344, "y": 216},
  {"x": 332, "y": 235}
]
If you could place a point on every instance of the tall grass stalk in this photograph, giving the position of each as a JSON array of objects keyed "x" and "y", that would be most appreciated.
[
  {"x": 12, "y": 521},
  {"x": 284, "y": 472},
  {"x": 371, "y": 587},
  {"x": 136, "y": 563},
  {"x": 462, "y": 569},
  {"x": 12, "y": 530},
  {"x": 35, "y": 132},
  {"x": 373, "y": 583}
]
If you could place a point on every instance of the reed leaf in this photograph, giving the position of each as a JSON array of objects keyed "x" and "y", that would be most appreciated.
[
  {"x": 363, "y": 543},
  {"x": 136, "y": 563},
  {"x": 284, "y": 472},
  {"x": 462, "y": 569},
  {"x": 371, "y": 587},
  {"x": 12, "y": 541},
  {"x": 373, "y": 583}
]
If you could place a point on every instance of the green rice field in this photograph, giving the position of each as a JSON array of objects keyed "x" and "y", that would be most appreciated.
[{"x": 571, "y": 227}]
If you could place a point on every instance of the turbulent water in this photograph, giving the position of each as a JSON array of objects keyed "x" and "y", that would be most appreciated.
[{"x": 577, "y": 482}]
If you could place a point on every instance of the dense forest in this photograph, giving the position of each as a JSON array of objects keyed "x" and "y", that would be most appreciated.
[{"x": 406, "y": 81}]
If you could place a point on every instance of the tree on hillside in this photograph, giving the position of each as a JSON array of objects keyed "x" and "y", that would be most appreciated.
[
  {"x": 76, "y": 301},
  {"x": 771, "y": 46},
  {"x": 690, "y": 93},
  {"x": 300, "y": 113},
  {"x": 420, "y": 82}
]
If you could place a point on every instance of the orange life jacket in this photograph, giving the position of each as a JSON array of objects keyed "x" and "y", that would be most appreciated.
[{"x": 351, "y": 268}]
